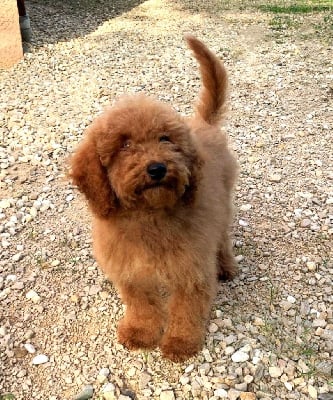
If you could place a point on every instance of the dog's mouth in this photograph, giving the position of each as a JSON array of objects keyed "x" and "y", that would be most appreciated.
[{"x": 155, "y": 185}]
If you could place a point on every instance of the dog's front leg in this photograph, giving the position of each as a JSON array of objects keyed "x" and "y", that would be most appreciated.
[
  {"x": 188, "y": 314},
  {"x": 145, "y": 317}
]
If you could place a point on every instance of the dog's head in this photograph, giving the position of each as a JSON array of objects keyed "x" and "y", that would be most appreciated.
[{"x": 139, "y": 154}]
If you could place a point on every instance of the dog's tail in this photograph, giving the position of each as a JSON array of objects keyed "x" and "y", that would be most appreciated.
[{"x": 214, "y": 78}]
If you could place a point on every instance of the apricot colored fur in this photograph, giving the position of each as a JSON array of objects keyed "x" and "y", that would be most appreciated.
[{"x": 163, "y": 243}]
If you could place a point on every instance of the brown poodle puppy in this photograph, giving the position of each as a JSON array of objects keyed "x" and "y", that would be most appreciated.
[{"x": 159, "y": 187}]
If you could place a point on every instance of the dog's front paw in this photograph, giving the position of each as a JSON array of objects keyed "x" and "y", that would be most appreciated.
[
  {"x": 179, "y": 349},
  {"x": 138, "y": 337}
]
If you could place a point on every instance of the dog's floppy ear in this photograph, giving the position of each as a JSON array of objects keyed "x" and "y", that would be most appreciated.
[{"x": 90, "y": 176}]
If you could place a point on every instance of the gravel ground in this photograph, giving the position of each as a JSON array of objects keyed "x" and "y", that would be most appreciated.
[{"x": 271, "y": 329}]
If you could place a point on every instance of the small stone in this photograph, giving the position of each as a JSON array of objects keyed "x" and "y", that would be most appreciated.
[
  {"x": 18, "y": 286},
  {"x": 167, "y": 395},
  {"x": 33, "y": 212},
  {"x": 275, "y": 178},
  {"x": 184, "y": 380},
  {"x": 109, "y": 396},
  {"x": 29, "y": 334},
  {"x": 285, "y": 305},
  {"x": 288, "y": 386},
  {"x": 213, "y": 328},
  {"x": 312, "y": 392},
  {"x": 325, "y": 396},
  {"x": 311, "y": 265},
  {"x": 247, "y": 396},
  {"x": 32, "y": 295},
  {"x": 319, "y": 323},
  {"x": 221, "y": 393},
  {"x": 233, "y": 394},
  {"x": 5, "y": 203},
  {"x": 305, "y": 223},
  {"x": 325, "y": 368},
  {"x": 68, "y": 380},
  {"x": 240, "y": 356},
  {"x": 30, "y": 348},
  {"x": 258, "y": 321},
  {"x": 245, "y": 207},
  {"x": 104, "y": 371},
  {"x": 55, "y": 263},
  {"x": 229, "y": 350},
  {"x": 101, "y": 378},
  {"x": 274, "y": 372},
  {"x": 303, "y": 367},
  {"x": 40, "y": 359},
  {"x": 248, "y": 379},
  {"x": 17, "y": 257},
  {"x": 207, "y": 355},
  {"x": 144, "y": 379},
  {"x": 74, "y": 299},
  {"x": 291, "y": 299},
  {"x": 109, "y": 391},
  {"x": 104, "y": 295},
  {"x": 94, "y": 289},
  {"x": 243, "y": 223},
  {"x": 239, "y": 258},
  {"x": 242, "y": 387},
  {"x": 189, "y": 369},
  {"x": 87, "y": 393},
  {"x": 3, "y": 331}
]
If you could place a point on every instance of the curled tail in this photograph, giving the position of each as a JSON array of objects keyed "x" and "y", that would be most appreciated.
[{"x": 214, "y": 78}]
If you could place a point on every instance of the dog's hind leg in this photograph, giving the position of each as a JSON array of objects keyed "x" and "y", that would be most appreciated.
[{"x": 226, "y": 263}]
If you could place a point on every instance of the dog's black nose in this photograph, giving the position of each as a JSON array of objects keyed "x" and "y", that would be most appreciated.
[{"x": 157, "y": 171}]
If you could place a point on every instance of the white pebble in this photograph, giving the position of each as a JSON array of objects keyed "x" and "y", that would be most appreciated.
[
  {"x": 11, "y": 278},
  {"x": 229, "y": 350},
  {"x": 33, "y": 212},
  {"x": 108, "y": 387},
  {"x": 167, "y": 395},
  {"x": 5, "y": 203},
  {"x": 17, "y": 257},
  {"x": 275, "y": 177},
  {"x": 291, "y": 299},
  {"x": 312, "y": 392},
  {"x": 243, "y": 223},
  {"x": 30, "y": 348},
  {"x": 40, "y": 359},
  {"x": 189, "y": 368},
  {"x": 240, "y": 356},
  {"x": 311, "y": 265},
  {"x": 3, "y": 331},
  {"x": 32, "y": 295},
  {"x": 245, "y": 207},
  {"x": 275, "y": 372},
  {"x": 213, "y": 328},
  {"x": 221, "y": 393}
]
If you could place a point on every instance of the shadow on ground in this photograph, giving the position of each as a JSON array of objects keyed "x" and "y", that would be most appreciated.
[{"x": 57, "y": 20}]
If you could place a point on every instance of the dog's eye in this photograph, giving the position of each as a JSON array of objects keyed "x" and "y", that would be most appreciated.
[
  {"x": 126, "y": 144},
  {"x": 165, "y": 138}
]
